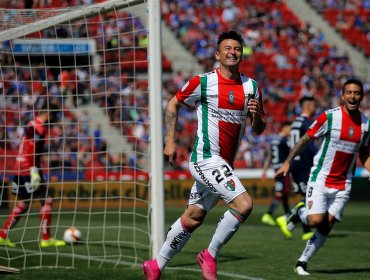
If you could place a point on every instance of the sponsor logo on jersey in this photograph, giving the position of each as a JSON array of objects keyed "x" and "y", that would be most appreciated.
[
  {"x": 310, "y": 203},
  {"x": 230, "y": 185},
  {"x": 178, "y": 239},
  {"x": 196, "y": 195},
  {"x": 231, "y": 97},
  {"x": 203, "y": 177}
]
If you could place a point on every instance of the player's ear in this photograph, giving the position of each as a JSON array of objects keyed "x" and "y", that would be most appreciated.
[
  {"x": 342, "y": 96},
  {"x": 217, "y": 55}
]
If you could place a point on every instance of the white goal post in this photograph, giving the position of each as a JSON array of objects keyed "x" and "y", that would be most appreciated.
[{"x": 108, "y": 64}]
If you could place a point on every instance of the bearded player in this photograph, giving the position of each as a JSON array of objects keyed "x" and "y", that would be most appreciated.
[{"x": 345, "y": 133}]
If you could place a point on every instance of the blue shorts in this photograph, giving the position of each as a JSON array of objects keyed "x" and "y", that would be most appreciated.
[
  {"x": 300, "y": 174},
  {"x": 282, "y": 184}
]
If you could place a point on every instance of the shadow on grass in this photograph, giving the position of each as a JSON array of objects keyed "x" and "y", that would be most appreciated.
[
  {"x": 338, "y": 235},
  {"x": 342, "y": 270},
  {"x": 221, "y": 259}
]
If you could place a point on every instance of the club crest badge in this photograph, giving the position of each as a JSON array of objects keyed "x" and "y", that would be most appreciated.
[
  {"x": 351, "y": 132},
  {"x": 231, "y": 97},
  {"x": 230, "y": 185}
]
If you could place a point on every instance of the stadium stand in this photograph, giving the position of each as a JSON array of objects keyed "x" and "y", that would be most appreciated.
[
  {"x": 350, "y": 18},
  {"x": 288, "y": 57},
  {"x": 81, "y": 153}
]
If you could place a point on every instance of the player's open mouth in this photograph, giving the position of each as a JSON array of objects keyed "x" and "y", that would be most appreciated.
[
  {"x": 352, "y": 104},
  {"x": 233, "y": 59}
]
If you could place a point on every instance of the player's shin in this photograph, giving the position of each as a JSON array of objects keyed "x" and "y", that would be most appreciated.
[
  {"x": 12, "y": 219},
  {"x": 176, "y": 239},
  {"x": 45, "y": 218},
  {"x": 302, "y": 213},
  {"x": 312, "y": 246},
  {"x": 229, "y": 224}
]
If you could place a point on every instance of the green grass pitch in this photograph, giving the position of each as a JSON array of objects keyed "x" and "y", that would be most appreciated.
[{"x": 257, "y": 251}]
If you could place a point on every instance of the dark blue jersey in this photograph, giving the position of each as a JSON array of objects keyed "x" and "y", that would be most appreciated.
[
  {"x": 302, "y": 163},
  {"x": 279, "y": 151},
  {"x": 298, "y": 129}
]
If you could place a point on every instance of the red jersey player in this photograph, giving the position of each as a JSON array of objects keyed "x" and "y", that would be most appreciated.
[
  {"x": 29, "y": 182},
  {"x": 345, "y": 132},
  {"x": 224, "y": 99}
]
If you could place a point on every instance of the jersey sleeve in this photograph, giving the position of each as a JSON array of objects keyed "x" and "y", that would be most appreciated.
[
  {"x": 319, "y": 127},
  {"x": 190, "y": 92}
]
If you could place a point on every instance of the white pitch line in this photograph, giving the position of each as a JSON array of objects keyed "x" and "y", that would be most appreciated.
[{"x": 82, "y": 257}]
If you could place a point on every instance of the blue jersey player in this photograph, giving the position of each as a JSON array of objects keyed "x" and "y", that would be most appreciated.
[
  {"x": 302, "y": 163},
  {"x": 278, "y": 152}
]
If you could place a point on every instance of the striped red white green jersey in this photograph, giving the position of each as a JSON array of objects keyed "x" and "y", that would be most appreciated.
[
  {"x": 343, "y": 135},
  {"x": 222, "y": 110}
]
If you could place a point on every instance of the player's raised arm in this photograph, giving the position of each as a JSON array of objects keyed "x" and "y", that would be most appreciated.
[
  {"x": 284, "y": 169},
  {"x": 258, "y": 123},
  {"x": 257, "y": 113},
  {"x": 170, "y": 121}
]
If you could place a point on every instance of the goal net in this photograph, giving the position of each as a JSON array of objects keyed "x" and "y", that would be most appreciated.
[{"x": 91, "y": 63}]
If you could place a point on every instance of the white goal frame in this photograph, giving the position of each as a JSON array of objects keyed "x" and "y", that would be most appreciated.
[{"x": 156, "y": 177}]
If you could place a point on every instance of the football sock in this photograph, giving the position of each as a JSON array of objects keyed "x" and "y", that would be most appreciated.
[
  {"x": 312, "y": 246},
  {"x": 285, "y": 203},
  {"x": 274, "y": 204},
  {"x": 302, "y": 213},
  {"x": 226, "y": 228},
  {"x": 176, "y": 239},
  {"x": 12, "y": 219},
  {"x": 45, "y": 218}
]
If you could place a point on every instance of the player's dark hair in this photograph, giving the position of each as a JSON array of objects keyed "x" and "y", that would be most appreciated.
[
  {"x": 285, "y": 123},
  {"x": 229, "y": 35},
  {"x": 356, "y": 82},
  {"x": 304, "y": 99}
]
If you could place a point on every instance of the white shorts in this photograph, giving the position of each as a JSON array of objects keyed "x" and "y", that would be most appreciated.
[
  {"x": 320, "y": 199},
  {"x": 214, "y": 180}
]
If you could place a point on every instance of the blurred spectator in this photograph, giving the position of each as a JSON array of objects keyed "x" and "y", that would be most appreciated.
[{"x": 275, "y": 41}]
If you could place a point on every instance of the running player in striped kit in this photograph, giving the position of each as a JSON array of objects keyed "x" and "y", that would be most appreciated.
[
  {"x": 345, "y": 133},
  {"x": 224, "y": 100}
]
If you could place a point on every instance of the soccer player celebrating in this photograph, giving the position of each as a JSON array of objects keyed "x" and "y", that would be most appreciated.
[
  {"x": 277, "y": 154},
  {"x": 345, "y": 132},
  {"x": 224, "y": 100},
  {"x": 29, "y": 182}
]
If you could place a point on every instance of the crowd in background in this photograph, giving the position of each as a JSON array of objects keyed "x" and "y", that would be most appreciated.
[
  {"x": 275, "y": 43},
  {"x": 276, "y": 35}
]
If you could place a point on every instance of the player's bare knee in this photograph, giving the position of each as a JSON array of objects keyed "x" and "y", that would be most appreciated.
[
  {"x": 243, "y": 204},
  {"x": 192, "y": 218},
  {"x": 314, "y": 221},
  {"x": 22, "y": 206},
  {"x": 246, "y": 209},
  {"x": 49, "y": 201},
  {"x": 279, "y": 195}
]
